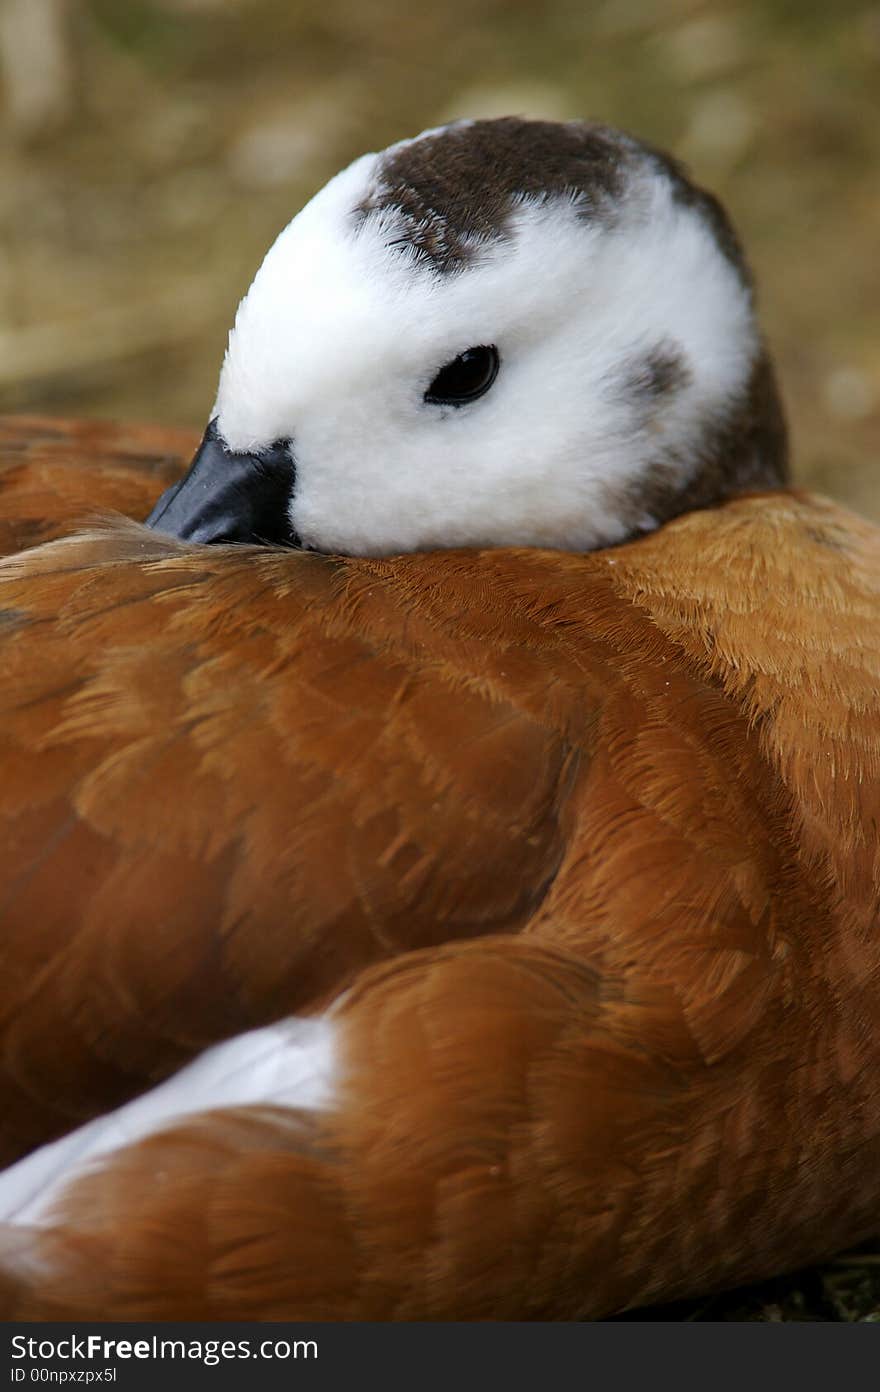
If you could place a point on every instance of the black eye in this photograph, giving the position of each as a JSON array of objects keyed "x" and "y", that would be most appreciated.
[{"x": 468, "y": 376}]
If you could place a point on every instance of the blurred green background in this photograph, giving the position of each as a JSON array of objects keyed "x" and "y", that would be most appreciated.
[{"x": 150, "y": 150}]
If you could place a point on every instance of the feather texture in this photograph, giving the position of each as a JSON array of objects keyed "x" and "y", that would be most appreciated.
[{"x": 578, "y": 852}]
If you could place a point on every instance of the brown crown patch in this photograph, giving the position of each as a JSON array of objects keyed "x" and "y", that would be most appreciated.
[{"x": 456, "y": 188}]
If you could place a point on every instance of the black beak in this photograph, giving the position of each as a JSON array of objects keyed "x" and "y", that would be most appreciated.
[{"x": 227, "y": 496}]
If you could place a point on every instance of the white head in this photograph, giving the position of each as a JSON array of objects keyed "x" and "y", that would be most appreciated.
[{"x": 619, "y": 376}]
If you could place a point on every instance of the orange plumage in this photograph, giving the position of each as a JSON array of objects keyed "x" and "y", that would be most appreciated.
[{"x": 583, "y": 848}]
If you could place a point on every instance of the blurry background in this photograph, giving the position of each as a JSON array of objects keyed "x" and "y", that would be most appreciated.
[{"x": 150, "y": 150}]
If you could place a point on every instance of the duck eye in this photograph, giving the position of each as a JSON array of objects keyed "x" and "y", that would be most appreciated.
[{"x": 468, "y": 376}]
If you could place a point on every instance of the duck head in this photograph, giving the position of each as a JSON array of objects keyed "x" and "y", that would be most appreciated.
[{"x": 503, "y": 332}]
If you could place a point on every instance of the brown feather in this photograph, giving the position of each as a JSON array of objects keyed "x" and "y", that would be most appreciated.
[
  {"x": 56, "y": 475},
  {"x": 238, "y": 780}
]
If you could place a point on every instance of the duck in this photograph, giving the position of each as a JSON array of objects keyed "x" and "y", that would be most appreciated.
[
  {"x": 425, "y": 901},
  {"x": 501, "y": 333}
]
